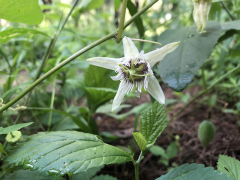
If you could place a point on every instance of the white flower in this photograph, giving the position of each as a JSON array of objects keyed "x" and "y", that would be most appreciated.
[
  {"x": 200, "y": 13},
  {"x": 134, "y": 70}
]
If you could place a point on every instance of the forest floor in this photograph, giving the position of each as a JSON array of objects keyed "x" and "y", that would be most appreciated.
[{"x": 225, "y": 142}]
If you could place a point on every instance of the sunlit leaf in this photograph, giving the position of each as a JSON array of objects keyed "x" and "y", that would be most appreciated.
[
  {"x": 194, "y": 171},
  {"x": 179, "y": 67},
  {"x": 59, "y": 153},
  {"x": 13, "y": 128},
  {"x": 141, "y": 141},
  {"x": 22, "y": 11}
]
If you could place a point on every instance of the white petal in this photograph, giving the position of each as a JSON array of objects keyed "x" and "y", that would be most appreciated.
[
  {"x": 124, "y": 88},
  {"x": 155, "y": 90},
  {"x": 105, "y": 62},
  {"x": 117, "y": 77},
  {"x": 130, "y": 50},
  {"x": 155, "y": 56}
]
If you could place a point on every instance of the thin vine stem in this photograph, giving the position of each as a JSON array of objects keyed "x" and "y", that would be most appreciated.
[
  {"x": 122, "y": 19},
  {"x": 136, "y": 165},
  {"x": 204, "y": 91},
  {"x": 227, "y": 10},
  {"x": 69, "y": 59}
]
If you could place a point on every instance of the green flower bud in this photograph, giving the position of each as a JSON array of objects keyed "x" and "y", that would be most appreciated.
[
  {"x": 200, "y": 13},
  {"x": 14, "y": 137},
  {"x": 206, "y": 132}
]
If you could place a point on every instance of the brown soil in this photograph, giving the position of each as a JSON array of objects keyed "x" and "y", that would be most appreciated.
[{"x": 226, "y": 140}]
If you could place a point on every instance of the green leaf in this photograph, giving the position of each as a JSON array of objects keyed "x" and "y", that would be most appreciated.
[
  {"x": 152, "y": 122},
  {"x": 90, "y": 4},
  {"x": 158, "y": 151},
  {"x": 141, "y": 141},
  {"x": 104, "y": 177},
  {"x": 117, "y": 4},
  {"x": 87, "y": 175},
  {"x": 13, "y": 128},
  {"x": 98, "y": 96},
  {"x": 22, "y": 11},
  {"x": 172, "y": 150},
  {"x": 231, "y": 25},
  {"x": 8, "y": 34},
  {"x": 59, "y": 153},
  {"x": 3, "y": 72},
  {"x": 138, "y": 21},
  {"x": 229, "y": 165},
  {"x": 2, "y": 149},
  {"x": 179, "y": 67},
  {"x": 30, "y": 175},
  {"x": 193, "y": 171}
]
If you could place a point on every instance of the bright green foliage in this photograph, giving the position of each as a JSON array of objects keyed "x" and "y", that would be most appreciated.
[
  {"x": 30, "y": 175},
  {"x": 90, "y": 4},
  {"x": 87, "y": 175},
  {"x": 141, "y": 141},
  {"x": 194, "y": 171},
  {"x": 152, "y": 122},
  {"x": 23, "y": 11},
  {"x": 59, "y": 153},
  {"x": 157, "y": 151},
  {"x": 231, "y": 25},
  {"x": 206, "y": 132},
  {"x": 98, "y": 96},
  {"x": 104, "y": 177},
  {"x": 13, "y": 128},
  {"x": 179, "y": 67},
  {"x": 2, "y": 149},
  {"x": 6, "y": 35},
  {"x": 230, "y": 166}
]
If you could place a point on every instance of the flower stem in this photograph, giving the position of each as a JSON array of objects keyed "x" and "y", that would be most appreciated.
[
  {"x": 69, "y": 59},
  {"x": 204, "y": 91},
  {"x": 122, "y": 18}
]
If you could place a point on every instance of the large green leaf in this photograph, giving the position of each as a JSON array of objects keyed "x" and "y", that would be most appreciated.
[
  {"x": 104, "y": 177},
  {"x": 87, "y": 175},
  {"x": 179, "y": 67},
  {"x": 23, "y": 11},
  {"x": 98, "y": 96},
  {"x": 138, "y": 22},
  {"x": 30, "y": 175},
  {"x": 194, "y": 171},
  {"x": 15, "y": 32},
  {"x": 230, "y": 166},
  {"x": 231, "y": 25},
  {"x": 152, "y": 122},
  {"x": 59, "y": 153},
  {"x": 13, "y": 128}
]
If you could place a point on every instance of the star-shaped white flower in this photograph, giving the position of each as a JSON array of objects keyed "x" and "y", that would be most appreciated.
[{"x": 134, "y": 70}]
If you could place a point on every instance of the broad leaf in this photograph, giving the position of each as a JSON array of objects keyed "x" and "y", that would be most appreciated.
[
  {"x": 231, "y": 25},
  {"x": 87, "y": 175},
  {"x": 30, "y": 175},
  {"x": 104, "y": 177},
  {"x": 15, "y": 32},
  {"x": 13, "y": 128},
  {"x": 59, "y": 153},
  {"x": 133, "y": 10},
  {"x": 230, "y": 166},
  {"x": 99, "y": 96},
  {"x": 152, "y": 122},
  {"x": 179, "y": 67},
  {"x": 194, "y": 171},
  {"x": 141, "y": 141},
  {"x": 23, "y": 11}
]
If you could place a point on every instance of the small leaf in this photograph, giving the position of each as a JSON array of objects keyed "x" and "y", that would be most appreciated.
[
  {"x": 141, "y": 141},
  {"x": 117, "y": 4},
  {"x": 152, "y": 122},
  {"x": 2, "y": 149},
  {"x": 104, "y": 177},
  {"x": 13, "y": 128},
  {"x": 179, "y": 67},
  {"x": 172, "y": 150},
  {"x": 29, "y": 175},
  {"x": 3, "y": 72},
  {"x": 22, "y": 11},
  {"x": 64, "y": 152},
  {"x": 158, "y": 151},
  {"x": 90, "y": 4},
  {"x": 194, "y": 171},
  {"x": 229, "y": 165},
  {"x": 87, "y": 175},
  {"x": 231, "y": 25},
  {"x": 99, "y": 96},
  {"x": 8, "y": 34}
]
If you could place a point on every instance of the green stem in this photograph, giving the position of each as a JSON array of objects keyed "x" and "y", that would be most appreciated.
[
  {"x": 204, "y": 81},
  {"x": 121, "y": 23},
  {"x": 136, "y": 165},
  {"x": 85, "y": 49},
  {"x": 227, "y": 10},
  {"x": 204, "y": 91}
]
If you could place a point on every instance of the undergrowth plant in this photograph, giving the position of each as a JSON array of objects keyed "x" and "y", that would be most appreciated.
[{"x": 56, "y": 101}]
